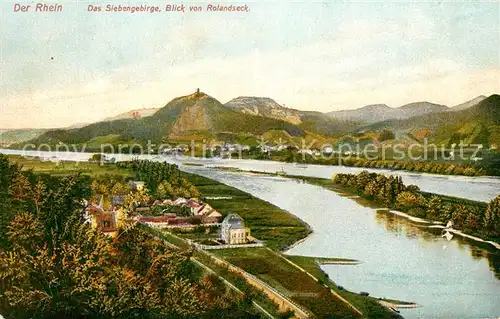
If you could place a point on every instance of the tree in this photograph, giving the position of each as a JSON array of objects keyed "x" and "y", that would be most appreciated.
[
  {"x": 164, "y": 190},
  {"x": 135, "y": 199},
  {"x": 490, "y": 163},
  {"x": 52, "y": 265},
  {"x": 25, "y": 232},
  {"x": 371, "y": 190},
  {"x": 64, "y": 202},
  {"x": 491, "y": 220},
  {"x": 406, "y": 200},
  {"x": 434, "y": 206},
  {"x": 120, "y": 189},
  {"x": 386, "y": 135},
  {"x": 194, "y": 193},
  {"x": 98, "y": 189},
  {"x": 472, "y": 222},
  {"x": 459, "y": 215},
  {"x": 20, "y": 192}
]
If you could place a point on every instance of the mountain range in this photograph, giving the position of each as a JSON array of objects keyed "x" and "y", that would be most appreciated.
[
  {"x": 246, "y": 119},
  {"x": 382, "y": 112},
  {"x": 264, "y": 106},
  {"x": 14, "y": 136},
  {"x": 315, "y": 122},
  {"x": 468, "y": 104},
  {"x": 194, "y": 117},
  {"x": 476, "y": 124}
]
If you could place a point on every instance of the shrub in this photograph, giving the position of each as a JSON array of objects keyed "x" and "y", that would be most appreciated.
[
  {"x": 407, "y": 200},
  {"x": 413, "y": 188},
  {"x": 469, "y": 171},
  {"x": 434, "y": 206},
  {"x": 491, "y": 218}
]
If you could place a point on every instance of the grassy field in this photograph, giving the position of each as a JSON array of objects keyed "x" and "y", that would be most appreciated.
[
  {"x": 369, "y": 306},
  {"x": 314, "y": 294},
  {"x": 68, "y": 168},
  {"x": 266, "y": 221},
  {"x": 236, "y": 279}
]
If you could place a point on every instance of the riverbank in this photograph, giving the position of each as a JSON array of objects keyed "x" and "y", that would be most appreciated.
[
  {"x": 401, "y": 259},
  {"x": 344, "y": 191},
  {"x": 433, "y": 167},
  {"x": 382, "y": 161},
  {"x": 279, "y": 229},
  {"x": 265, "y": 263},
  {"x": 312, "y": 265},
  {"x": 481, "y": 189},
  {"x": 430, "y": 166},
  {"x": 329, "y": 184}
]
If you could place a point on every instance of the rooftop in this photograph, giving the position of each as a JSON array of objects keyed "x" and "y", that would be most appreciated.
[{"x": 234, "y": 220}]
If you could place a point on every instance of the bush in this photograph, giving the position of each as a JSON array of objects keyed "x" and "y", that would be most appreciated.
[
  {"x": 413, "y": 188},
  {"x": 490, "y": 163},
  {"x": 407, "y": 200}
]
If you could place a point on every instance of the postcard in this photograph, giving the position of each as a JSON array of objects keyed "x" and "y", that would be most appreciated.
[{"x": 249, "y": 159}]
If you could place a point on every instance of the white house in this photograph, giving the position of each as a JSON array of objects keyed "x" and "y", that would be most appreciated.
[{"x": 233, "y": 230}]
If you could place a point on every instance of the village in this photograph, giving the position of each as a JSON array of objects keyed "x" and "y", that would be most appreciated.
[{"x": 178, "y": 215}]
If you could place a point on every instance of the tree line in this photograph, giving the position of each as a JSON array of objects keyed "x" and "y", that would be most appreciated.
[
  {"x": 472, "y": 217},
  {"x": 162, "y": 179},
  {"x": 412, "y": 166}
]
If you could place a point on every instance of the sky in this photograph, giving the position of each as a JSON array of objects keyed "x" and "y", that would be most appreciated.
[{"x": 58, "y": 69}]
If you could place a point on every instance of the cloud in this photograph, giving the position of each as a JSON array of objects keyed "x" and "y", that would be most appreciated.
[
  {"x": 314, "y": 77},
  {"x": 418, "y": 26},
  {"x": 349, "y": 63}
]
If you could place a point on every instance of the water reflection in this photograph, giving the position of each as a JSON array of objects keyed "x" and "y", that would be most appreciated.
[
  {"x": 400, "y": 259},
  {"x": 402, "y": 226}
]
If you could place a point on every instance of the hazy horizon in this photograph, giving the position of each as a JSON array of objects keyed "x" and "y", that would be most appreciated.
[
  {"x": 223, "y": 102},
  {"x": 75, "y": 66}
]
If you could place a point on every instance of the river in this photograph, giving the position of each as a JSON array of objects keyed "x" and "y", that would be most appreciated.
[
  {"x": 400, "y": 260},
  {"x": 483, "y": 188}
]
